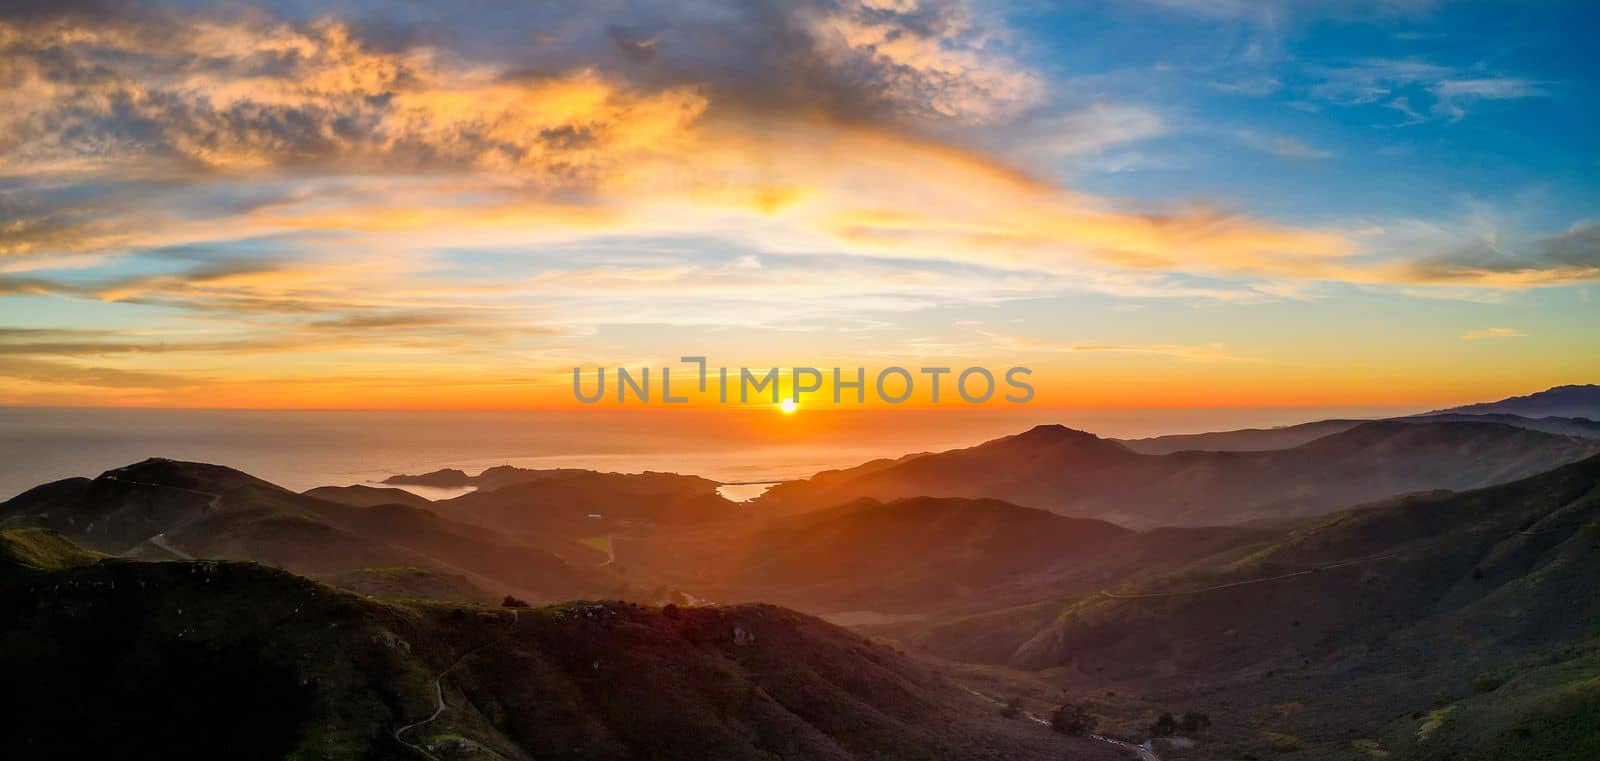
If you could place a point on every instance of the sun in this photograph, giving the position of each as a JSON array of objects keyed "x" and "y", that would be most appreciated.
[{"x": 789, "y": 406}]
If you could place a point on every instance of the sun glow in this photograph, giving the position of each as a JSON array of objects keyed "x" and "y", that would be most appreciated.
[{"x": 788, "y": 406}]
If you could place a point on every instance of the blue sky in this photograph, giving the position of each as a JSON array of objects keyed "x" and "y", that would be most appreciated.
[
  {"x": 1316, "y": 116},
  {"x": 404, "y": 204}
]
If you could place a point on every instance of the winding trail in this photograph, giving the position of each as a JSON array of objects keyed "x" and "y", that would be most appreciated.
[
  {"x": 160, "y": 540},
  {"x": 1145, "y": 752},
  {"x": 438, "y": 690}
]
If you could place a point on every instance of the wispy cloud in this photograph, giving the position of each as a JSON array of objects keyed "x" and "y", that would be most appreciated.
[
  {"x": 1282, "y": 146},
  {"x": 1195, "y": 353},
  {"x": 1403, "y": 84}
]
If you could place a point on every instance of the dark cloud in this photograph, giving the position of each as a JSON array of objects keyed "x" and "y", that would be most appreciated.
[
  {"x": 1572, "y": 255},
  {"x": 632, "y": 45},
  {"x": 53, "y": 10}
]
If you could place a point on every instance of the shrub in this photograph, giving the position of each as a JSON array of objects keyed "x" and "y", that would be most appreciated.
[
  {"x": 1193, "y": 722},
  {"x": 513, "y": 602},
  {"x": 1073, "y": 719},
  {"x": 1165, "y": 726},
  {"x": 1487, "y": 682}
]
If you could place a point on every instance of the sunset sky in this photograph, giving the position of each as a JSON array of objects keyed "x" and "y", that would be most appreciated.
[{"x": 1150, "y": 203}]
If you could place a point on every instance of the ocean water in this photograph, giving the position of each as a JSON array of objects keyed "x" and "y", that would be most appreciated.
[{"x": 301, "y": 449}]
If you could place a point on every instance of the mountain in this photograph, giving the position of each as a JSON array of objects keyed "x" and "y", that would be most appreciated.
[
  {"x": 584, "y": 503},
  {"x": 1242, "y": 440},
  {"x": 915, "y": 556},
  {"x": 168, "y": 509},
  {"x": 196, "y": 660},
  {"x": 1450, "y": 564},
  {"x": 1562, "y": 401},
  {"x": 1561, "y": 426},
  {"x": 361, "y": 495},
  {"x": 1076, "y": 473}
]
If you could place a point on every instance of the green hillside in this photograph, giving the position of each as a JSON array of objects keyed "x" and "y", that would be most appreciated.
[{"x": 37, "y": 549}]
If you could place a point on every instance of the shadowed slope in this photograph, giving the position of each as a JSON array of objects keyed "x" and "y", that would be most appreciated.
[{"x": 261, "y": 664}]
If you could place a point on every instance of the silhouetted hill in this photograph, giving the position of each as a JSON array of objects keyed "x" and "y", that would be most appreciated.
[
  {"x": 1076, "y": 473},
  {"x": 196, "y": 660},
  {"x": 1262, "y": 439},
  {"x": 1562, "y": 401},
  {"x": 168, "y": 509},
  {"x": 443, "y": 478},
  {"x": 500, "y": 476},
  {"x": 359, "y": 495},
  {"x": 578, "y": 503}
]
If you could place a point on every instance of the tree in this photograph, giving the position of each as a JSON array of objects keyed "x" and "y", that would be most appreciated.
[
  {"x": 1165, "y": 726},
  {"x": 1193, "y": 723},
  {"x": 512, "y": 602},
  {"x": 1073, "y": 719}
]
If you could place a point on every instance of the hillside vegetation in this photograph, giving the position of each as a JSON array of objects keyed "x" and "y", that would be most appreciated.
[{"x": 191, "y": 660}]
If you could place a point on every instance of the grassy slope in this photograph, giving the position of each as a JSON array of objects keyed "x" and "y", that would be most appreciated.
[
  {"x": 1547, "y": 708},
  {"x": 38, "y": 549}
]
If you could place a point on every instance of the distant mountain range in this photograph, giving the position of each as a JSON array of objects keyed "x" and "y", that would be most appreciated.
[
  {"x": 1076, "y": 473},
  {"x": 1263, "y": 439},
  {"x": 1577, "y": 401}
]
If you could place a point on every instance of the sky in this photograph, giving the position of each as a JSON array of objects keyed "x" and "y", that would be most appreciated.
[{"x": 1149, "y": 203}]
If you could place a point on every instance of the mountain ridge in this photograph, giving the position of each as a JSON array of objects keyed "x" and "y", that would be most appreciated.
[{"x": 1076, "y": 473}]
